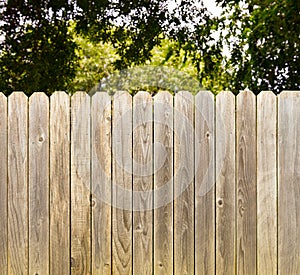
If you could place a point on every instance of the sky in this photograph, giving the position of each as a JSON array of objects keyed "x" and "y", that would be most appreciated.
[{"x": 211, "y": 6}]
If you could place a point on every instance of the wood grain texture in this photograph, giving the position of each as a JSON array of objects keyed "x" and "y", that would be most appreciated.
[
  {"x": 80, "y": 184},
  {"x": 3, "y": 184},
  {"x": 17, "y": 183},
  {"x": 122, "y": 182},
  {"x": 204, "y": 183},
  {"x": 288, "y": 183},
  {"x": 101, "y": 183},
  {"x": 38, "y": 184},
  {"x": 142, "y": 183},
  {"x": 163, "y": 183},
  {"x": 246, "y": 183},
  {"x": 225, "y": 183},
  {"x": 60, "y": 183},
  {"x": 184, "y": 184},
  {"x": 266, "y": 184}
]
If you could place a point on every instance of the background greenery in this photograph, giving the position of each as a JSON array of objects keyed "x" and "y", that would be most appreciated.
[{"x": 49, "y": 45}]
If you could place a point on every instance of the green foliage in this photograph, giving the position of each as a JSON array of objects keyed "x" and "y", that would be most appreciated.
[
  {"x": 37, "y": 52},
  {"x": 264, "y": 42},
  {"x": 170, "y": 69},
  {"x": 96, "y": 61}
]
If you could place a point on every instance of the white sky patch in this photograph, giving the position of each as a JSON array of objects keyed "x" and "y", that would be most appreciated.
[{"x": 212, "y": 7}]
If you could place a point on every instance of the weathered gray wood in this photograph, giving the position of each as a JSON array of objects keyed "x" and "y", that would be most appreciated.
[
  {"x": 122, "y": 182},
  {"x": 225, "y": 183},
  {"x": 80, "y": 184},
  {"x": 184, "y": 183},
  {"x": 38, "y": 184},
  {"x": 142, "y": 183},
  {"x": 3, "y": 184},
  {"x": 246, "y": 183},
  {"x": 163, "y": 183},
  {"x": 204, "y": 183},
  {"x": 288, "y": 183},
  {"x": 17, "y": 183},
  {"x": 101, "y": 183},
  {"x": 59, "y": 183},
  {"x": 266, "y": 184}
]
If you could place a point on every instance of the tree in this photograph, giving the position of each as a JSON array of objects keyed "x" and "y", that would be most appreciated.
[
  {"x": 96, "y": 68},
  {"x": 263, "y": 38},
  {"x": 38, "y": 52},
  {"x": 95, "y": 62}
]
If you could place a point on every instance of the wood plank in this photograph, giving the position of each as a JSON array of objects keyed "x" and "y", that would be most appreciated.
[
  {"x": 184, "y": 183},
  {"x": 17, "y": 183},
  {"x": 225, "y": 183},
  {"x": 59, "y": 183},
  {"x": 288, "y": 183},
  {"x": 101, "y": 183},
  {"x": 80, "y": 184},
  {"x": 122, "y": 184},
  {"x": 38, "y": 184},
  {"x": 142, "y": 183},
  {"x": 246, "y": 183},
  {"x": 266, "y": 184},
  {"x": 163, "y": 183},
  {"x": 3, "y": 184},
  {"x": 204, "y": 183}
]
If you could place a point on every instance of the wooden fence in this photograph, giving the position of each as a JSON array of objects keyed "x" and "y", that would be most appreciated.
[{"x": 77, "y": 176}]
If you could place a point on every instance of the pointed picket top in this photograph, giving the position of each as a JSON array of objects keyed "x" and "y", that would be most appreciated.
[
  {"x": 184, "y": 95},
  {"x": 224, "y": 94},
  {"x": 80, "y": 94},
  {"x": 246, "y": 92},
  {"x": 2, "y": 96},
  {"x": 288, "y": 94},
  {"x": 265, "y": 94},
  {"x": 18, "y": 94},
  {"x": 142, "y": 97},
  {"x": 122, "y": 94},
  {"x": 59, "y": 95},
  {"x": 41, "y": 95},
  {"x": 202, "y": 96},
  {"x": 162, "y": 94},
  {"x": 205, "y": 93},
  {"x": 103, "y": 95}
]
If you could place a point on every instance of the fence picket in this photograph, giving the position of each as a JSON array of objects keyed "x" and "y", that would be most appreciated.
[
  {"x": 122, "y": 182},
  {"x": 3, "y": 184},
  {"x": 246, "y": 183},
  {"x": 101, "y": 183},
  {"x": 38, "y": 184},
  {"x": 142, "y": 183},
  {"x": 288, "y": 183},
  {"x": 225, "y": 183},
  {"x": 184, "y": 183},
  {"x": 60, "y": 184},
  {"x": 80, "y": 184},
  {"x": 163, "y": 183},
  {"x": 17, "y": 183},
  {"x": 204, "y": 183},
  {"x": 266, "y": 184}
]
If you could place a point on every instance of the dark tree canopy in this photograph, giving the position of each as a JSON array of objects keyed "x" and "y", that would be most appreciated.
[
  {"x": 264, "y": 41},
  {"x": 38, "y": 52},
  {"x": 261, "y": 39}
]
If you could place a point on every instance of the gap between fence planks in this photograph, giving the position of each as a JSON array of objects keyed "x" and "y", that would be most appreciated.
[{"x": 221, "y": 176}]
